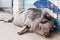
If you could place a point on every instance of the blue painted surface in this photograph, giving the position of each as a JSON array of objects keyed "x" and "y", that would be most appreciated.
[{"x": 46, "y": 4}]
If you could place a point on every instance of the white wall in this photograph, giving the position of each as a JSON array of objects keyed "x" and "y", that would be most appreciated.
[
  {"x": 29, "y": 4},
  {"x": 5, "y": 3},
  {"x": 17, "y": 5}
]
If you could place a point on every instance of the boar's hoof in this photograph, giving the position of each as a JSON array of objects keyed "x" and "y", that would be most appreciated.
[{"x": 19, "y": 33}]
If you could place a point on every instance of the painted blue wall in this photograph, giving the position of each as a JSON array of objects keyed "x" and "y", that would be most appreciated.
[{"x": 46, "y": 4}]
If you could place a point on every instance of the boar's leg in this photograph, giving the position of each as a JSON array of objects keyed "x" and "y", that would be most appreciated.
[
  {"x": 9, "y": 19},
  {"x": 23, "y": 30}
]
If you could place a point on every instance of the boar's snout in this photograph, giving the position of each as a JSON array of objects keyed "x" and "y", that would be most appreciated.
[{"x": 44, "y": 30}]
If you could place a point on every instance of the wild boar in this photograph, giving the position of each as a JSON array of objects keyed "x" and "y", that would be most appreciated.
[{"x": 34, "y": 20}]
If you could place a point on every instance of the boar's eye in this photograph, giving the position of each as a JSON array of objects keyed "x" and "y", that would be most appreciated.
[{"x": 44, "y": 21}]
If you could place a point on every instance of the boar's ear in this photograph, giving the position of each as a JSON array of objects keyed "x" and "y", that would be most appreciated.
[{"x": 48, "y": 16}]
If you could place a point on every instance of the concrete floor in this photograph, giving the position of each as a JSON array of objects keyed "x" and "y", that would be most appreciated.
[{"x": 8, "y": 31}]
